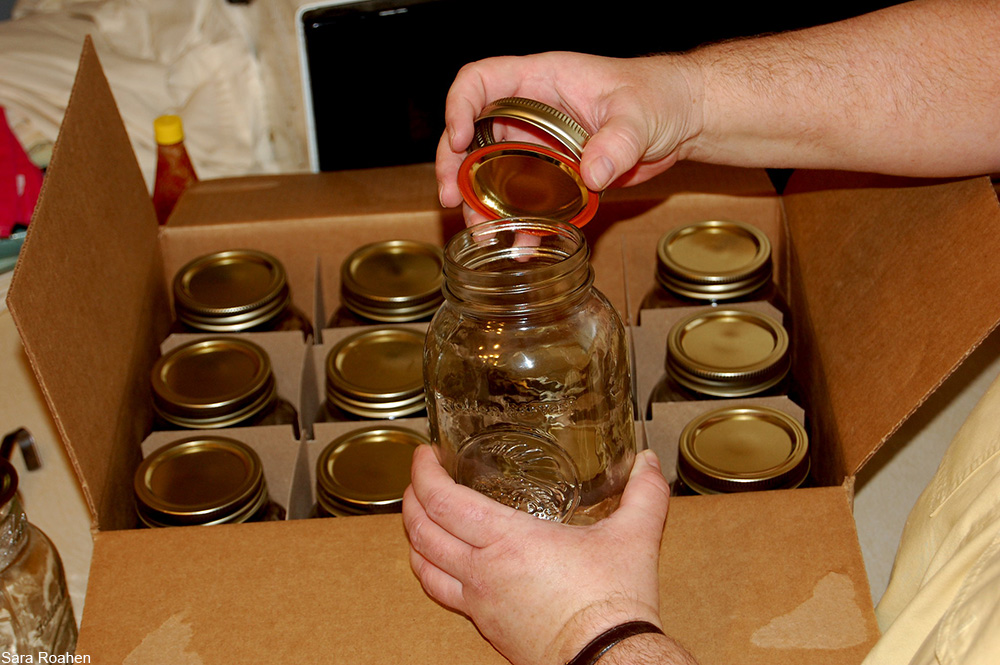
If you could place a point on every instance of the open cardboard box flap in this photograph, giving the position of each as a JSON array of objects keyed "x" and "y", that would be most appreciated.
[
  {"x": 900, "y": 276},
  {"x": 895, "y": 286}
]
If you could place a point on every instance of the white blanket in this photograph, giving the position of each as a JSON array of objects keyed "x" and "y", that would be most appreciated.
[{"x": 195, "y": 58}]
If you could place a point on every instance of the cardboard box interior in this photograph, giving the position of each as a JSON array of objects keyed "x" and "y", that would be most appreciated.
[{"x": 886, "y": 280}]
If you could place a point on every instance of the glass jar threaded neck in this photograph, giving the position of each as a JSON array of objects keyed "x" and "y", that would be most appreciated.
[{"x": 517, "y": 266}]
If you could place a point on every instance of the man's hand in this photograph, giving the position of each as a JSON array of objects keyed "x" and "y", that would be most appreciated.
[
  {"x": 638, "y": 111},
  {"x": 537, "y": 590}
]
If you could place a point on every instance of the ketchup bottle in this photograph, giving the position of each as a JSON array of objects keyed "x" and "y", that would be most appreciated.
[{"x": 174, "y": 171}]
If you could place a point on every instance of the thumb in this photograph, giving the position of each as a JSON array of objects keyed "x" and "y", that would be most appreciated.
[
  {"x": 644, "y": 501},
  {"x": 612, "y": 152}
]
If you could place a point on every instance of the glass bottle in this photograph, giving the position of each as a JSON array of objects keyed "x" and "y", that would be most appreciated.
[
  {"x": 174, "y": 171},
  {"x": 724, "y": 353},
  {"x": 527, "y": 374},
  {"x": 375, "y": 374},
  {"x": 203, "y": 480},
  {"x": 365, "y": 471},
  {"x": 217, "y": 382},
  {"x": 240, "y": 290},
  {"x": 36, "y": 614},
  {"x": 742, "y": 449},
  {"x": 713, "y": 263},
  {"x": 394, "y": 281}
]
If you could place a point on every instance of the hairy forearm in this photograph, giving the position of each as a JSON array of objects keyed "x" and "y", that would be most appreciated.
[
  {"x": 912, "y": 90},
  {"x": 648, "y": 649}
]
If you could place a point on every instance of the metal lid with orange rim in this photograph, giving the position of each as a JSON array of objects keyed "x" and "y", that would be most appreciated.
[{"x": 501, "y": 179}]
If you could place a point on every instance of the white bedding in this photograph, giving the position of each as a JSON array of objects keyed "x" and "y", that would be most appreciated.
[{"x": 196, "y": 58}]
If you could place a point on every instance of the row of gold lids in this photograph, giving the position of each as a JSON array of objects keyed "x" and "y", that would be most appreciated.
[
  {"x": 203, "y": 479},
  {"x": 399, "y": 281}
]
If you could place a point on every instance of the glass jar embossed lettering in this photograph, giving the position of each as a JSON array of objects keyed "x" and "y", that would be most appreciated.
[
  {"x": 240, "y": 290},
  {"x": 527, "y": 373},
  {"x": 36, "y": 614}
]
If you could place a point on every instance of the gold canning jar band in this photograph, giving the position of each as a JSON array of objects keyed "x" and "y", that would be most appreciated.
[
  {"x": 217, "y": 382},
  {"x": 365, "y": 471},
  {"x": 502, "y": 178},
  {"x": 376, "y": 373},
  {"x": 712, "y": 261},
  {"x": 727, "y": 353},
  {"x": 742, "y": 449},
  {"x": 203, "y": 480},
  {"x": 394, "y": 281},
  {"x": 241, "y": 290}
]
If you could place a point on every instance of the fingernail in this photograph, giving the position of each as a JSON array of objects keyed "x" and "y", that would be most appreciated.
[
  {"x": 601, "y": 172},
  {"x": 651, "y": 459}
]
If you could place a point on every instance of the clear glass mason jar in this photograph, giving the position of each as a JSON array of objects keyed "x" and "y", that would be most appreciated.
[
  {"x": 527, "y": 372},
  {"x": 36, "y": 614}
]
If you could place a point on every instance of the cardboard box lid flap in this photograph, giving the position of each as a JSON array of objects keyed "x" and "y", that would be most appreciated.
[
  {"x": 76, "y": 329},
  {"x": 773, "y": 578},
  {"x": 898, "y": 284},
  {"x": 282, "y": 197}
]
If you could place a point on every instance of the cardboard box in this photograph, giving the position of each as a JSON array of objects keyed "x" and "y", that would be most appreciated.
[{"x": 889, "y": 281}]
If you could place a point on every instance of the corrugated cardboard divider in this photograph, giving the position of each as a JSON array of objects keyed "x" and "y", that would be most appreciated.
[
  {"x": 94, "y": 197},
  {"x": 887, "y": 311}
]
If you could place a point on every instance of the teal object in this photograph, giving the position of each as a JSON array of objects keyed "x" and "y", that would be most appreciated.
[{"x": 10, "y": 248}]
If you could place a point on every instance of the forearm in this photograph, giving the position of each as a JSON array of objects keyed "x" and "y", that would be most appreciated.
[{"x": 911, "y": 90}]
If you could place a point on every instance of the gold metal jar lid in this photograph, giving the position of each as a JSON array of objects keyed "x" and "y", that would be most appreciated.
[
  {"x": 394, "y": 281},
  {"x": 742, "y": 449},
  {"x": 230, "y": 291},
  {"x": 365, "y": 471},
  {"x": 377, "y": 373},
  {"x": 728, "y": 352},
  {"x": 213, "y": 382},
  {"x": 199, "y": 481},
  {"x": 502, "y": 179},
  {"x": 714, "y": 259}
]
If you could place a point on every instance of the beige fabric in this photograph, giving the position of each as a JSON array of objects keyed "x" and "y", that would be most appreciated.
[
  {"x": 943, "y": 600},
  {"x": 195, "y": 58}
]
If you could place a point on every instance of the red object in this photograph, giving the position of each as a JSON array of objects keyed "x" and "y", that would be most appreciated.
[
  {"x": 174, "y": 171},
  {"x": 20, "y": 181},
  {"x": 466, "y": 175}
]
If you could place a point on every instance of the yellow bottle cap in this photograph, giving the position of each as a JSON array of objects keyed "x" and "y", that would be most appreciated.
[{"x": 168, "y": 129}]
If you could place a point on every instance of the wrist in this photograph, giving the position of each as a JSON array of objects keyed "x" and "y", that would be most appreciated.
[
  {"x": 648, "y": 649},
  {"x": 587, "y": 624}
]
